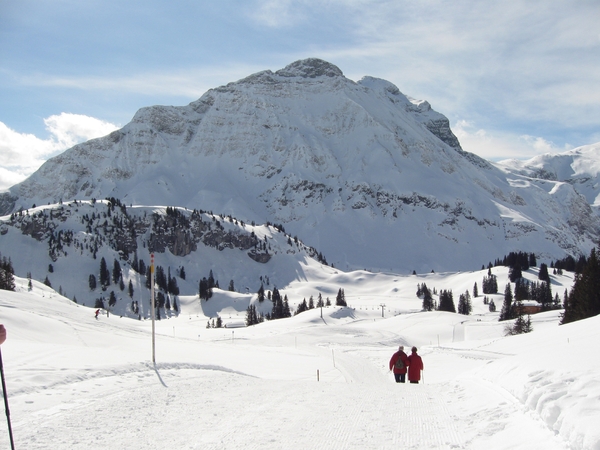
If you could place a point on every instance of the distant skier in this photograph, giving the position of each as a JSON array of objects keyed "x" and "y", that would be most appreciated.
[
  {"x": 398, "y": 364},
  {"x": 415, "y": 365},
  {"x": 97, "y": 313}
]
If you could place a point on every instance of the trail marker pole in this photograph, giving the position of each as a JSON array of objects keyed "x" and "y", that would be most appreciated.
[{"x": 153, "y": 313}]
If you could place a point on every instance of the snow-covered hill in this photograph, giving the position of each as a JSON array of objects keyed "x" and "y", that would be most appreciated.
[
  {"x": 317, "y": 380},
  {"x": 66, "y": 245},
  {"x": 370, "y": 177}
]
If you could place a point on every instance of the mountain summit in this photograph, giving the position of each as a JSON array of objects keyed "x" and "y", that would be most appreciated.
[
  {"x": 310, "y": 68},
  {"x": 369, "y": 176}
]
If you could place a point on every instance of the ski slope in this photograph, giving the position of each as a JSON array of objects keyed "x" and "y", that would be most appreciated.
[{"x": 75, "y": 382}]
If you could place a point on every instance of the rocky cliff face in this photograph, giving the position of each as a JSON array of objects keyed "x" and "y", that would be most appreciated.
[{"x": 370, "y": 176}]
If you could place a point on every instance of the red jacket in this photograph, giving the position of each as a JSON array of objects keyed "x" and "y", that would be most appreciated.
[
  {"x": 415, "y": 365},
  {"x": 399, "y": 355}
]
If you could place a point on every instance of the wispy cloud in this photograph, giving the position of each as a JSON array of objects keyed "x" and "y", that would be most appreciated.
[
  {"x": 277, "y": 13},
  {"x": 189, "y": 83},
  {"x": 23, "y": 153},
  {"x": 498, "y": 145}
]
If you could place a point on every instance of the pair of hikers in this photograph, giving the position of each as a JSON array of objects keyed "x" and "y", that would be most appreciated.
[{"x": 400, "y": 364}]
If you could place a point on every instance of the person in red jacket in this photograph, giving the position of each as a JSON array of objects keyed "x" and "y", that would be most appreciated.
[
  {"x": 398, "y": 364},
  {"x": 415, "y": 365}
]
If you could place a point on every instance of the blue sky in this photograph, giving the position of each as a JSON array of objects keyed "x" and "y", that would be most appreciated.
[{"x": 515, "y": 78}]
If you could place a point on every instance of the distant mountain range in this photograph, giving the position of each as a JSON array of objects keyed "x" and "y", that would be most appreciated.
[
  {"x": 579, "y": 167},
  {"x": 361, "y": 172}
]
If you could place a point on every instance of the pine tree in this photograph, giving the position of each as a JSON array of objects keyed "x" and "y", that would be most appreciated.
[
  {"x": 286, "y": 307},
  {"x": 104, "y": 274},
  {"x": 161, "y": 278},
  {"x": 251, "y": 317},
  {"x": 320, "y": 302},
  {"x": 543, "y": 274},
  {"x": 142, "y": 266},
  {"x": 204, "y": 291},
  {"x": 116, "y": 272},
  {"x": 427, "y": 298},
  {"x": 490, "y": 284},
  {"x": 173, "y": 288},
  {"x": 584, "y": 299},
  {"x": 277, "y": 309},
  {"x": 446, "y": 302},
  {"x": 546, "y": 296},
  {"x": 464, "y": 304},
  {"x": 521, "y": 289},
  {"x": 521, "y": 325},
  {"x": 7, "y": 275},
  {"x": 112, "y": 300},
  {"x": 135, "y": 265},
  {"x": 340, "y": 299},
  {"x": 302, "y": 306},
  {"x": 130, "y": 289},
  {"x": 515, "y": 273},
  {"x": 506, "y": 312},
  {"x": 92, "y": 282}
]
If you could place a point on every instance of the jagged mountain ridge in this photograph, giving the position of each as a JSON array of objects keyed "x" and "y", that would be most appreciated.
[{"x": 358, "y": 170}]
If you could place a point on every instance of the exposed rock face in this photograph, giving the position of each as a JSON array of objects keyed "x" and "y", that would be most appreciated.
[{"x": 370, "y": 176}]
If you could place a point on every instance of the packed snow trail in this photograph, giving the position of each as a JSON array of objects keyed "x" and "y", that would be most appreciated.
[{"x": 211, "y": 409}]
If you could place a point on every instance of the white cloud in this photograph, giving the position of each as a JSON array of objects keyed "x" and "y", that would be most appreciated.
[
  {"x": 496, "y": 145},
  {"x": 23, "y": 153}
]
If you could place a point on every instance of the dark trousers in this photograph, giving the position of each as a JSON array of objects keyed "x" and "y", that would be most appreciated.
[
  {"x": 400, "y": 377},
  {"x": 414, "y": 381}
]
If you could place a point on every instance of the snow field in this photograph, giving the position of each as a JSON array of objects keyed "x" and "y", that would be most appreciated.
[{"x": 79, "y": 383}]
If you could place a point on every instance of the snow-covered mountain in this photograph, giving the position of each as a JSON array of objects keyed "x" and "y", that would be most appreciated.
[
  {"x": 579, "y": 167},
  {"x": 370, "y": 177}
]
